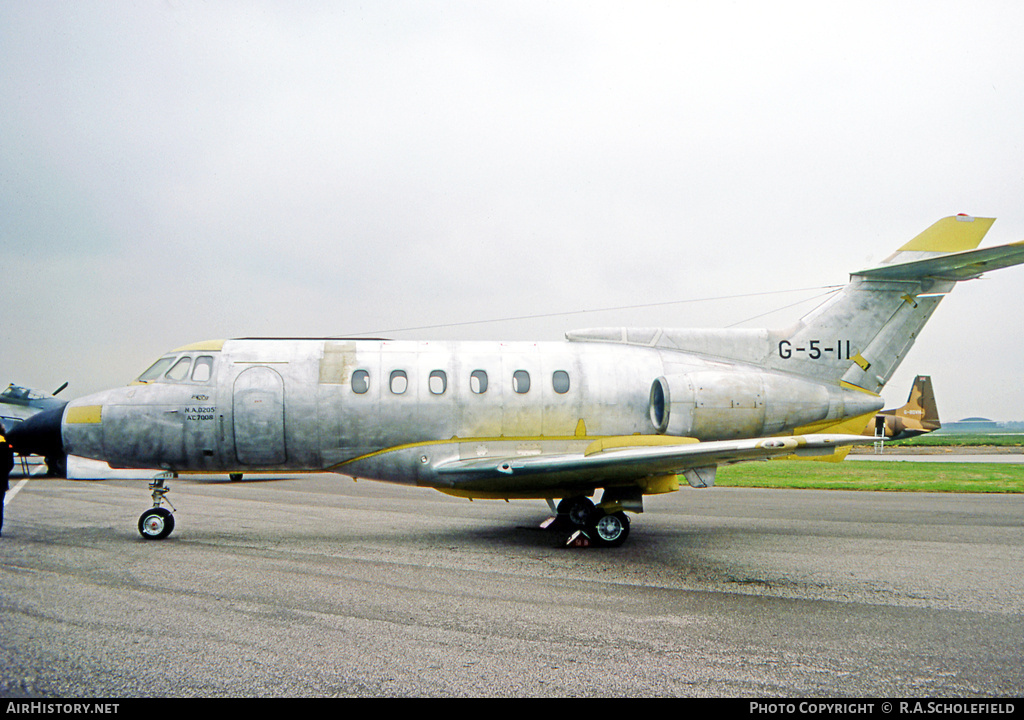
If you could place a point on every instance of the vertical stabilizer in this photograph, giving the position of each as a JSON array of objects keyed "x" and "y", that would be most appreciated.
[
  {"x": 861, "y": 335},
  {"x": 921, "y": 405}
]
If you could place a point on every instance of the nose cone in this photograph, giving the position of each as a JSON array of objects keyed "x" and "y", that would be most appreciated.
[{"x": 39, "y": 434}]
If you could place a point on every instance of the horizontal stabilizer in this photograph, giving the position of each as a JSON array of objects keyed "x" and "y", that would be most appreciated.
[{"x": 956, "y": 266}]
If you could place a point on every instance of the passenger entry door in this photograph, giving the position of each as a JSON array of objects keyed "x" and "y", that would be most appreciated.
[{"x": 258, "y": 412}]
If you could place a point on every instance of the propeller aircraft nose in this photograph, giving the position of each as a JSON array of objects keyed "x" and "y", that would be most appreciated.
[{"x": 39, "y": 434}]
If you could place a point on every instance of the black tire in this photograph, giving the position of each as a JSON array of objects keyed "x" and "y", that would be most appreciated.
[
  {"x": 577, "y": 510},
  {"x": 156, "y": 523},
  {"x": 610, "y": 530},
  {"x": 235, "y": 477},
  {"x": 57, "y": 466}
]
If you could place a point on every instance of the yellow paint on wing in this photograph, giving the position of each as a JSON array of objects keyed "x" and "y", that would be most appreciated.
[
  {"x": 84, "y": 415},
  {"x": 629, "y": 441}
]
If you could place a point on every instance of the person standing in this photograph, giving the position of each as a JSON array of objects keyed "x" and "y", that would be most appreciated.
[{"x": 6, "y": 465}]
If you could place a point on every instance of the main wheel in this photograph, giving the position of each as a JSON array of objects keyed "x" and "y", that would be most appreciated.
[
  {"x": 156, "y": 523},
  {"x": 612, "y": 530},
  {"x": 577, "y": 509}
]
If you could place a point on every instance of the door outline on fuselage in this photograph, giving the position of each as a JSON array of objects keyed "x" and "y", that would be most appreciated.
[{"x": 258, "y": 417}]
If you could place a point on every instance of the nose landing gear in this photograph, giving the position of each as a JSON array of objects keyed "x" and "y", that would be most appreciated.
[{"x": 157, "y": 522}]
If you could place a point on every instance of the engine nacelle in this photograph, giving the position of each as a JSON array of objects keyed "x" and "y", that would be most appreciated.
[{"x": 726, "y": 404}]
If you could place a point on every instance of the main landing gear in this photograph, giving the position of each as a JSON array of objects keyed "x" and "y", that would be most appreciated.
[
  {"x": 157, "y": 522},
  {"x": 589, "y": 524}
]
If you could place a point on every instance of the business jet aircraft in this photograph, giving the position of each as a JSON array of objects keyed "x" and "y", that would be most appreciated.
[{"x": 629, "y": 411}]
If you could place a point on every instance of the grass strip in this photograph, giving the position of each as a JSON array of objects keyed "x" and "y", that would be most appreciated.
[
  {"x": 881, "y": 475},
  {"x": 960, "y": 440}
]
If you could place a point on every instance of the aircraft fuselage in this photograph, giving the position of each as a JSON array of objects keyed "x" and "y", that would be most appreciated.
[{"x": 395, "y": 410}]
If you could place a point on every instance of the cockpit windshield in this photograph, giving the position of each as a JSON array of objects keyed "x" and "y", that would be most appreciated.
[
  {"x": 176, "y": 368},
  {"x": 21, "y": 395},
  {"x": 180, "y": 369},
  {"x": 156, "y": 369}
]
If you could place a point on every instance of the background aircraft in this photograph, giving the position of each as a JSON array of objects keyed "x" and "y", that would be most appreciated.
[
  {"x": 919, "y": 416},
  {"x": 18, "y": 403},
  {"x": 629, "y": 411}
]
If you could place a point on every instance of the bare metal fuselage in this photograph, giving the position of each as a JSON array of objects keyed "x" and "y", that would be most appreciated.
[
  {"x": 626, "y": 410},
  {"x": 396, "y": 411}
]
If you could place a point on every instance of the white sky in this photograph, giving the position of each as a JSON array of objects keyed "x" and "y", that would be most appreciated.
[{"x": 177, "y": 170}]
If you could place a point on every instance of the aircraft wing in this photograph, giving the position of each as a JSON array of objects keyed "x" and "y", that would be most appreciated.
[{"x": 620, "y": 462}]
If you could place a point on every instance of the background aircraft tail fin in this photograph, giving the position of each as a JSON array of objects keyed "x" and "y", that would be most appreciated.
[
  {"x": 861, "y": 334},
  {"x": 921, "y": 404}
]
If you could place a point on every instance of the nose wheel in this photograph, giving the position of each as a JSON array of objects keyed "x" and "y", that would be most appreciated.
[{"x": 157, "y": 522}]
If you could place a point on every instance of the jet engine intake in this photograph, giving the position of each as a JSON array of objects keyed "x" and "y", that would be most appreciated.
[{"x": 726, "y": 404}]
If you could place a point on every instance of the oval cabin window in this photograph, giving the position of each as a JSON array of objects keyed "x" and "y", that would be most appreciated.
[{"x": 399, "y": 382}]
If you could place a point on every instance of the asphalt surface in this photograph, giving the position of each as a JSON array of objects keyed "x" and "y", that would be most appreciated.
[{"x": 319, "y": 586}]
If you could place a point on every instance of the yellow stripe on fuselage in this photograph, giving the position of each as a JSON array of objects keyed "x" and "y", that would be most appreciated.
[{"x": 84, "y": 415}]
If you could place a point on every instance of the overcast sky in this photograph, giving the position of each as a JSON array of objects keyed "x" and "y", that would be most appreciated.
[{"x": 177, "y": 170}]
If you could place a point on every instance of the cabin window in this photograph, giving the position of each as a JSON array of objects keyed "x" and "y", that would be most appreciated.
[
  {"x": 438, "y": 382},
  {"x": 180, "y": 369},
  {"x": 399, "y": 382},
  {"x": 203, "y": 370},
  {"x": 360, "y": 381},
  {"x": 560, "y": 381},
  {"x": 156, "y": 369},
  {"x": 478, "y": 381},
  {"x": 521, "y": 381}
]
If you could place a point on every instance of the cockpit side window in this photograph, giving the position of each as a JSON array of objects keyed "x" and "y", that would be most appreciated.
[
  {"x": 180, "y": 369},
  {"x": 156, "y": 370},
  {"x": 203, "y": 369}
]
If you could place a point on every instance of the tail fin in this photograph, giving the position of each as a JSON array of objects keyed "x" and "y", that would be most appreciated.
[
  {"x": 921, "y": 405},
  {"x": 861, "y": 335}
]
